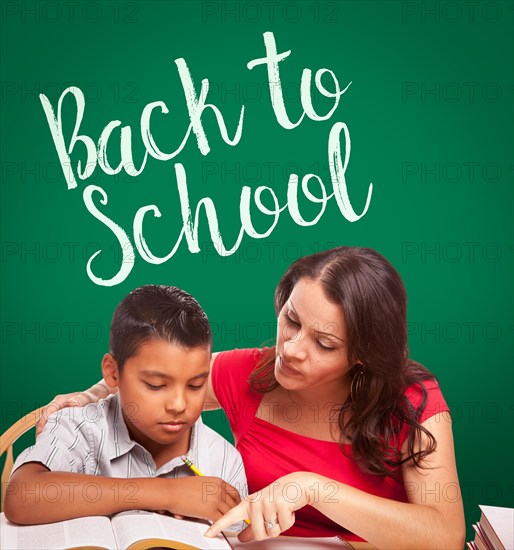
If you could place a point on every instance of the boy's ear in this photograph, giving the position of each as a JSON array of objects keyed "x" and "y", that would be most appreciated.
[{"x": 110, "y": 370}]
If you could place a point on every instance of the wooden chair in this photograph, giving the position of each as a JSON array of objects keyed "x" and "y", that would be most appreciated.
[{"x": 7, "y": 440}]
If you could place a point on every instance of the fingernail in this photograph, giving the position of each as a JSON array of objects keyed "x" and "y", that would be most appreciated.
[{"x": 207, "y": 533}]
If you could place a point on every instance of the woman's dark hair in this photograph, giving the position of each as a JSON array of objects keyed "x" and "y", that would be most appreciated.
[
  {"x": 154, "y": 312},
  {"x": 374, "y": 302}
]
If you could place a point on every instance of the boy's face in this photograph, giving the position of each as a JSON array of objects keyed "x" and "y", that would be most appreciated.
[{"x": 162, "y": 390}]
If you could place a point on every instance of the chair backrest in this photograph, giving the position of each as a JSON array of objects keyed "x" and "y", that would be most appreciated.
[{"x": 7, "y": 440}]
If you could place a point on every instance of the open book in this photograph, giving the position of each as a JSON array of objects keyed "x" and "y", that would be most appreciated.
[{"x": 134, "y": 530}]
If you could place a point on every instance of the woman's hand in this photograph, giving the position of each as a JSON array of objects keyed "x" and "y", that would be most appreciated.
[
  {"x": 271, "y": 510},
  {"x": 75, "y": 399}
]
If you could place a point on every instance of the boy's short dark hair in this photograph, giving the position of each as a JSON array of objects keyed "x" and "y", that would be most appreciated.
[{"x": 157, "y": 312}]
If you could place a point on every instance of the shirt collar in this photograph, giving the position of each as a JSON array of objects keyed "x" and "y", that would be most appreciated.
[
  {"x": 197, "y": 453},
  {"x": 120, "y": 442}
]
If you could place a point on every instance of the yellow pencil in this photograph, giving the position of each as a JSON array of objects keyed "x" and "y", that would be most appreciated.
[
  {"x": 197, "y": 472},
  {"x": 191, "y": 466}
]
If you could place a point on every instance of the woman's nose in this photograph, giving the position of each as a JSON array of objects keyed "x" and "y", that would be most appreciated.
[{"x": 294, "y": 346}]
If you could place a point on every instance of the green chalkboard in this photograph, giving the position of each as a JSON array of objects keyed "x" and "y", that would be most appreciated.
[{"x": 417, "y": 95}]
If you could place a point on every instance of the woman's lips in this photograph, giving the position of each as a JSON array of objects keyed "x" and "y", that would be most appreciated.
[{"x": 286, "y": 369}]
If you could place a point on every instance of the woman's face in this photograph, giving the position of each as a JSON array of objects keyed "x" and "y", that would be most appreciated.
[{"x": 311, "y": 341}]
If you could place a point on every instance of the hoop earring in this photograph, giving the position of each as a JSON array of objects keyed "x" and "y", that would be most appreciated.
[{"x": 358, "y": 383}]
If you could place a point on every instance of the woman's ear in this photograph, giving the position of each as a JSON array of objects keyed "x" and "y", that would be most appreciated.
[{"x": 110, "y": 370}]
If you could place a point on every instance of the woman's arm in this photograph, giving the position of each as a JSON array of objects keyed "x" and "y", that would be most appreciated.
[
  {"x": 100, "y": 391},
  {"x": 433, "y": 517},
  {"x": 36, "y": 495},
  {"x": 211, "y": 402}
]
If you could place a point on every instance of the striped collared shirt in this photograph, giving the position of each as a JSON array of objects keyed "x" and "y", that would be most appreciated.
[{"x": 95, "y": 440}]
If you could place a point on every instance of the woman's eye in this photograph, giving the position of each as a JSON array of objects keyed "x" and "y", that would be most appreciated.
[
  {"x": 291, "y": 321},
  {"x": 322, "y": 346},
  {"x": 152, "y": 387}
]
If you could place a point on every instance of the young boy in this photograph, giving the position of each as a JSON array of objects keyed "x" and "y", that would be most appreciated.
[{"x": 160, "y": 347}]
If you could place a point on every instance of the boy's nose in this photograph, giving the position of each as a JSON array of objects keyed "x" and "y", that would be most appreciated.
[{"x": 176, "y": 403}]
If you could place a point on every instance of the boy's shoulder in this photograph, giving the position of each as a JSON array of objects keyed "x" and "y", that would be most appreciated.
[
  {"x": 91, "y": 417},
  {"x": 72, "y": 438}
]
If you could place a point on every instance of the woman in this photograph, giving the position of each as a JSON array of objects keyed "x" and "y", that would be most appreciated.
[{"x": 340, "y": 433}]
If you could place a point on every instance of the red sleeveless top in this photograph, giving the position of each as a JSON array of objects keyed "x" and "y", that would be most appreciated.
[{"x": 270, "y": 452}]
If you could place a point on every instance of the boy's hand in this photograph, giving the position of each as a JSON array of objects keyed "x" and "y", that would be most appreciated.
[{"x": 202, "y": 497}]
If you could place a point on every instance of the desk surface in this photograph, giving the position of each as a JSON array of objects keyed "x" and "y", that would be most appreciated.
[{"x": 299, "y": 543}]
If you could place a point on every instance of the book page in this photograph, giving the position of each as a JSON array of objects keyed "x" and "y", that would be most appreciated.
[
  {"x": 502, "y": 522},
  {"x": 136, "y": 525},
  {"x": 92, "y": 531}
]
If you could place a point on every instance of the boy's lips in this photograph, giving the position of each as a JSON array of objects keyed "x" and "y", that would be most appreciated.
[{"x": 172, "y": 426}]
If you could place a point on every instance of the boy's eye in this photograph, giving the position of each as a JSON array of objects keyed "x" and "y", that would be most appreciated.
[
  {"x": 152, "y": 387},
  {"x": 195, "y": 388}
]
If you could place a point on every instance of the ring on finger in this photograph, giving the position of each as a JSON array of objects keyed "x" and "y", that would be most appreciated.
[{"x": 271, "y": 524}]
